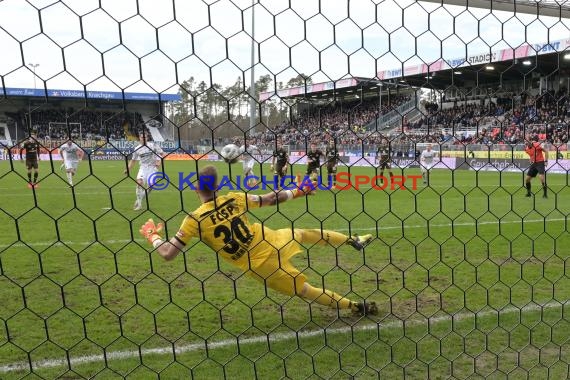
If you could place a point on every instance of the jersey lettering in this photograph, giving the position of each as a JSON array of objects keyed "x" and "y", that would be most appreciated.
[{"x": 236, "y": 239}]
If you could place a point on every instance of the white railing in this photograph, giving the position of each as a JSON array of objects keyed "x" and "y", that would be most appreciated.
[{"x": 394, "y": 116}]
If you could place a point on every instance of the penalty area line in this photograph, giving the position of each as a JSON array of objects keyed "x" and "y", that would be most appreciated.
[{"x": 270, "y": 338}]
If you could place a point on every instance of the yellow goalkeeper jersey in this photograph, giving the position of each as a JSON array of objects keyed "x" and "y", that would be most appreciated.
[{"x": 223, "y": 225}]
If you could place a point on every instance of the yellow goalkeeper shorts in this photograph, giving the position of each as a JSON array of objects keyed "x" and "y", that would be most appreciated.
[{"x": 270, "y": 262}]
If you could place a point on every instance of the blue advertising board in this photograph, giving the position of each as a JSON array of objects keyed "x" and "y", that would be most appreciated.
[{"x": 80, "y": 94}]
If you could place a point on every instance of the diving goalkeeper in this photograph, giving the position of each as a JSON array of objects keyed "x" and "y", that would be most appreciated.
[{"x": 221, "y": 223}]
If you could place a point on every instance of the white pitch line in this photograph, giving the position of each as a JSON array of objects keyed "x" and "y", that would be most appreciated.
[
  {"x": 24, "y": 194},
  {"x": 278, "y": 337},
  {"x": 122, "y": 241}
]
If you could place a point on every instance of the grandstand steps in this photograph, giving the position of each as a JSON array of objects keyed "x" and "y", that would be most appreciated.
[
  {"x": 4, "y": 133},
  {"x": 411, "y": 117},
  {"x": 394, "y": 118},
  {"x": 155, "y": 133},
  {"x": 15, "y": 127}
]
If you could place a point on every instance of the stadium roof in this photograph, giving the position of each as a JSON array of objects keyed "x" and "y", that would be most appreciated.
[
  {"x": 80, "y": 94},
  {"x": 551, "y": 8},
  {"x": 512, "y": 63},
  {"x": 325, "y": 88}
]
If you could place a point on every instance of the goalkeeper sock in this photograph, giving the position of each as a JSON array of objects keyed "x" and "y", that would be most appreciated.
[
  {"x": 324, "y": 237},
  {"x": 70, "y": 178},
  {"x": 35, "y": 177},
  {"x": 544, "y": 188},
  {"x": 528, "y": 188},
  {"x": 29, "y": 177},
  {"x": 327, "y": 298}
]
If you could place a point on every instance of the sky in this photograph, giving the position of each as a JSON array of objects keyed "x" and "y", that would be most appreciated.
[{"x": 153, "y": 45}]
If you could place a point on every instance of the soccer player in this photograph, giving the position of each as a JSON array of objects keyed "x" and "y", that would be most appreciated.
[
  {"x": 221, "y": 223},
  {"x": 5, "y": 152},
  {"x": 426, "y": 163},
  {"x": 32, "y": 148},
  {"x": 247, "y": 151},
  {"x": 150, "y": 157},
  {"x": 314, "y": 161},
  {"x": 71, "y": 154},
  {"x": 280, "y": 160},
  {"x": 62, "y": 166},
  {"x": 332, "y": 157},
  {"x": 538, "y": 155},
  {"x": 383, "y": 157}
]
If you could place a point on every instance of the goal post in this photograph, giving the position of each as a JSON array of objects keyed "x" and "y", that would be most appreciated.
[{"x": 63, "y": 127}]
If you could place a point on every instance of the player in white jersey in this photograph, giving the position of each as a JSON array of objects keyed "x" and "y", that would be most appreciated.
[
  {"x": 426, "y": 163},
  {"x": 248, "y": 162},
  {"x": 71, "y": 154},
  {"x": 150, "y": 156},
  {"x": 62, "y": 166},
  {"x": 5, "y": 152}
]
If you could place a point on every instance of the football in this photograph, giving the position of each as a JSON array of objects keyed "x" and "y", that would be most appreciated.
[{"x": 230, "y": 153}]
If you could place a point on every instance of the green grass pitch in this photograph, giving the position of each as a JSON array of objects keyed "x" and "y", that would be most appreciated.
[{"x": 470, "y": 277}]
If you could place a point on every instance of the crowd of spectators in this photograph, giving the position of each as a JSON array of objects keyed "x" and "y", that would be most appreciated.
[
  {"x": 52, "y": 124},
  {"x": 96, "y": 125},
  {"x": 344, "y": 121},
  {"x": 511, "y": 120},
  {"x": 506, "y": 120}
]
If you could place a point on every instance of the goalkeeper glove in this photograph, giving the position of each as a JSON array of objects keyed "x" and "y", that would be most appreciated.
[
  {"x": 152, "y": 232},
  {"x": 305, "y": 186}
]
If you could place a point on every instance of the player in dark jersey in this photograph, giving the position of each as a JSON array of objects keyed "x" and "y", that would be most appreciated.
[
  {"x": 332, "y": 157},
  {"x": 538, "y": 156},
  {"x": 280, "y": 160},
  {"x": 32, "y": 148},
  {"x": 384, "y": 157},
  {"x": 314, "y": 161}
]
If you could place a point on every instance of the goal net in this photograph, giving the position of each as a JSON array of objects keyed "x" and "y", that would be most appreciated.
[
  {"x": 461, "y": 273},
  {"x": 62, "y": 131}
]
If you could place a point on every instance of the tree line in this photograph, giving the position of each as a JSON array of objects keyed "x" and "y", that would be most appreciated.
[{"x": 215, "y": 105}]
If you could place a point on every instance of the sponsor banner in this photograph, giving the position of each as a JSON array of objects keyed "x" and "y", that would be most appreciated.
[
  {"x": 354, "y": 159},
  {"x": 503, "y": 165},
  {"x": 194, "y": 157},
  {"x": 510, "y": 165},
  {"x": 504, "y": 154},
  {"x": 108, "y": 154},
  {"x": 107, "y": 157},
  {"x": 80, "y": 94},
  {"x": 558, "y": 166},
  {"x": 525, "y": 50},
  {"x": 401, "y": 162},
  {"x": 493, "y": 154},
  {"x": 43, "y": 156},
  {"x": 127, "y": 144}
]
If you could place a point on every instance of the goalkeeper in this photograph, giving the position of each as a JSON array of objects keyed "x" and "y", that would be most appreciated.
[{"x": 221, "y": 223}]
